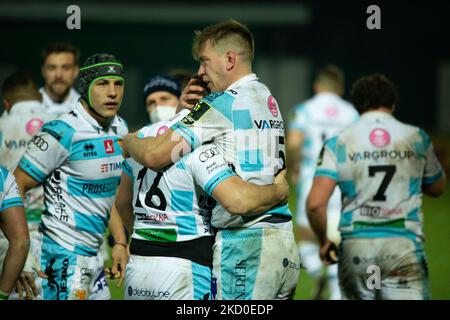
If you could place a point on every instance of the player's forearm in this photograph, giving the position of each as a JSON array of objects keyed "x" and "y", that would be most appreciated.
[
  {"x": 116, "y": 227},
  {"x": 125, "y": 211},
  {"x": 136, "y": 147},
  {"x": 259, "y": 199},
  {"x": 317, "y": 216},
  {"x": 14, "y": 262}
]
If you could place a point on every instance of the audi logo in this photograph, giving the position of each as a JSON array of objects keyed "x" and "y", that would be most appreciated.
[
  {"x": 40, "y": 143},
  {"x": 205, "y": 155}
]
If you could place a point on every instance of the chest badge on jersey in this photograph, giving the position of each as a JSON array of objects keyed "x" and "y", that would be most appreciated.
[
  {"x": 273, "y": 106},
  {"x": 109, "y": 146}
]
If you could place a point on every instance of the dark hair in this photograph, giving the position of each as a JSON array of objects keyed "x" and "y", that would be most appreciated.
[
  {"x": 230, "y": 30},
  {"x": 19, "y": 86},
  {"x": 59, "y": 47},
  {"x": 332, "y": 77},
  {"x": 372, "y": 92}
]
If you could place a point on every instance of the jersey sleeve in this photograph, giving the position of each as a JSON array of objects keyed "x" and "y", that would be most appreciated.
[
  {"x": 10, "y": 196},
  {"x": 327, "y": 160},
  {"x": 127, "y": 168},
  {"x": 299, "y": 119},
  {"x": 47, "y": 150},
  {"x": 207, "y": 167},
  {"x": 433, "y": 170},
  {"x": 210, "y": 118}
]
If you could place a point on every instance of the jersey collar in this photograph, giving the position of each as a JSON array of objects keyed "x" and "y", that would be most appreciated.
[
  {"x": 376, "y": 115},
  {"x": 245, "y": 79}
]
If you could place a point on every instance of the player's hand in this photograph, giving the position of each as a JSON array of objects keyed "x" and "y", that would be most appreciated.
[
  {"x": 119, "y": 255},
  {"x": 193, "y": 92},
  {"x": 126, "y": 140},
  {"x": 26, "y": 284},
  {"x": 328, "y": 253},
  {"x": 282, "y": 185}
]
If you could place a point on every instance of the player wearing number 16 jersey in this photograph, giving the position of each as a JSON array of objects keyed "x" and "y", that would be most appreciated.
[{"x": 382, "y": 167}]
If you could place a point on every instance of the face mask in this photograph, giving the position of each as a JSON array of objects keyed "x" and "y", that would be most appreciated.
[{"x": 162, "y": 113}]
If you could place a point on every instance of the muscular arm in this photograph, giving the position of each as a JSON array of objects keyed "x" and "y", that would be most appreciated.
[
  {"x": 245, "y": 198},
  {"x": 124, "y": 203},
  {"x": 316, "y": 206},
  {"x": 24, "y": 181},
  {"x": 435, "y": 189},
  {"x": 295, "y": 140},
  {"x": 14, "y": 226}
]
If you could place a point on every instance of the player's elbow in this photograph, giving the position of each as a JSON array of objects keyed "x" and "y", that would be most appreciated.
[
  {"x": 152, "y": 160},
  {"x": 313, "y": 206},
  {"x": 435, "y": 189},
  {"x": 235, "y": 204}
]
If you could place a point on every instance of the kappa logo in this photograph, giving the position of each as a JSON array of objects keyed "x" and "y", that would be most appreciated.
[{"x": 109, "y": 146}]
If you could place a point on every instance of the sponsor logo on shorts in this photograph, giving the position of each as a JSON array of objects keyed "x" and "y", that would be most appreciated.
[
  {"x": 290, "y": 264},
  {"x": 80, "y": 294},
  {"x": 240, "y": 274},
  {"x": 143, "y": 292},
  {"x": 374, "y": 260},
  {"x": 379, "y": 137}
]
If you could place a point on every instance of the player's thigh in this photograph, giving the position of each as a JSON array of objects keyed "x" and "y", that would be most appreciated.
[
  {"x": 255, "y": 263},
  {"x": 166, "y": 278},
  {"x": 406, "y": 278},
  {"x": 98, "y": 287}
]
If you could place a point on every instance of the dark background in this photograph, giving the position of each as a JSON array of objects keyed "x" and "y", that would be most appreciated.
[{"x": 410, "y": 48}]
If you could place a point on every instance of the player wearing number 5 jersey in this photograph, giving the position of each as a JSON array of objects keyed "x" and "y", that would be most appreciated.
[
  {"x": 171, "y": 246},
  {"x": 255, "y": 257},
  {"x": 382, "y": 167}
]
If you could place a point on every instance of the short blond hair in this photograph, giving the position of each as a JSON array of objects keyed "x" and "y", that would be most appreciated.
[{"x": 224, "y": 36}]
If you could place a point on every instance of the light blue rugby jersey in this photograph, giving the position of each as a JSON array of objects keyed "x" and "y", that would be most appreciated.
[
  {"x": 245, "y": 124},
  {"x": 168, "y": 205},
  {"x": 9, "y": 193},
  {"x": 380, "y": 165},
  {"x": 79, "y": 165}
]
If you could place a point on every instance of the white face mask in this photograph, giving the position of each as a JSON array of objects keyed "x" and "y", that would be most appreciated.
[{"x": 162, "y": 113}]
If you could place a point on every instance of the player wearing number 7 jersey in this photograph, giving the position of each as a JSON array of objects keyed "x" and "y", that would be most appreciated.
[{"x": 382, "y": 167}]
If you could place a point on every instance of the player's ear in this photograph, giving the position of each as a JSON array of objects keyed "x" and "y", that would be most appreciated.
[
  {"x": 231, "y": 57},
  {"x": 6, "y": 104}
]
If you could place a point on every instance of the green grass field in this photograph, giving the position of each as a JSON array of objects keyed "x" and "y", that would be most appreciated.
[{"x": 437, "y": 232}]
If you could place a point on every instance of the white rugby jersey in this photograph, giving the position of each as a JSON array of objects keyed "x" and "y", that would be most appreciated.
[
  {"x": 79, "y": 165},
  {"x": 9, "y": 193},
  {"x": 245, "y": 124},
  {"x": 320, "y": 118},
  {"x": 380, "y": 165},
  {"x": 168, "y": 205},
  {"x": 59, "y": 108},
  {"x": 17, "y": 127}
]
